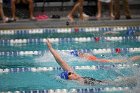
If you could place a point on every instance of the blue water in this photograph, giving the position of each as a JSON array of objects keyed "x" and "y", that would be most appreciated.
[{"x": 48, "y": 80}]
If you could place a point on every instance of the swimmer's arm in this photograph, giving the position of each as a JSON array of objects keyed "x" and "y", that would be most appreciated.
[{"x": 58, "y": 58}]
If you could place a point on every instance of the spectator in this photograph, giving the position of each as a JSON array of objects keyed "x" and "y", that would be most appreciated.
[
  {"x": 99, "y": 5},
  {"x": 77, "y": 7},
  {"x": 4, "y": 18},
  {"x": 126, "y": 9},
  {"x": 31, "y": 8}
]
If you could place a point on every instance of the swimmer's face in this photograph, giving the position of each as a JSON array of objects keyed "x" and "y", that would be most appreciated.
[{"x": 73, "y": 76}]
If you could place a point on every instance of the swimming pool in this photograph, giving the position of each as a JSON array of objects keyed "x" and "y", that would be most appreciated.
[{"x": 26, "y": 65}]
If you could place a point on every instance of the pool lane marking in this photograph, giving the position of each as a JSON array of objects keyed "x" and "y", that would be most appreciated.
[
  {"x": 80, "y": 90},
  {"x": 46, "y": 69},
  {"x": 68, "y": 30},
  {"x": 94, "y": 51},
  {"x": 76, "y": 39}
]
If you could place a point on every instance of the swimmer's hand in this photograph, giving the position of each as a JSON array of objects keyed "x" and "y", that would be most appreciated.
[{"x": 48, "y": 43}]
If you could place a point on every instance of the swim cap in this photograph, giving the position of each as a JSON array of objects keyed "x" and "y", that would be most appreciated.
[
  {"x": 64, "y": 75},
  {"x": 74, "y": 53}
]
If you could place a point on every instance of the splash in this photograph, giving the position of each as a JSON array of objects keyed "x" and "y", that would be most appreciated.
[
  {"x": 136, "y": 89},
  {"x": 48, "y": 57},
  {"x": 132, "y": 80}
]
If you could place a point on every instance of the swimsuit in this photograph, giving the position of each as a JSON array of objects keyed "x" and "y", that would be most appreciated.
[
  {"x": 89, "y": 57},
  {"x": 91, "y": 81}
]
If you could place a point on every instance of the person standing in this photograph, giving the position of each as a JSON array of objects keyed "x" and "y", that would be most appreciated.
[
  {"x": 4, "y": 18},
  {"x": 13, "y": 7},
  {"x": 99, "y": 7},
  {"x": 77, "y": 7},
  {"x": 125, "y": 7}
]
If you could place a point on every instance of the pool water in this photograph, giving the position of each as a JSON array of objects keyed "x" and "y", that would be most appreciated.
[{"x": 26, "y": 64}]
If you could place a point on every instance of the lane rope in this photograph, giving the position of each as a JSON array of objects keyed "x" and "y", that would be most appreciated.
[
  {"x": 94, "y": 51},
  {"x": 46, "y": 69},
  {"x": 78, "y": 39},
  {"x": 131, "y": 30},
  {"x": 85, "y": 90}
]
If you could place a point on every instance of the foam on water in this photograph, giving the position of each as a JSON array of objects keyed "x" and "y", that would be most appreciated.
[
  {"x": 136, "y": 89},
  {"x": 48, "y": 57},
  {"x": 131, "y": 80}
]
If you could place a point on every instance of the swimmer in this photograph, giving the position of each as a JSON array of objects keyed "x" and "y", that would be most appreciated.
[
  {"x": 94, "y": 58},
  {"x": 69, "y": 73}
]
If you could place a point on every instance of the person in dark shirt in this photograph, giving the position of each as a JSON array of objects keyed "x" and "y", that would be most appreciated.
[
  {"x": 125, "y": 8},
  {"x": 13, "y": 7}
]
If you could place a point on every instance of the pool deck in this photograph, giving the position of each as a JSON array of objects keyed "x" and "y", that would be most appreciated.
[{"x": 62, "y": 22}]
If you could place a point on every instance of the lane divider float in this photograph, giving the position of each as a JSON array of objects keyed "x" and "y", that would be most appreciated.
[
  {"x": 84, "y": 90},
  {"x": 129, "y": 29},
  {"x": 94, "y": 51},
  {"x": 79, "y": 39},
  {"x": 46, "y": 69}
]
